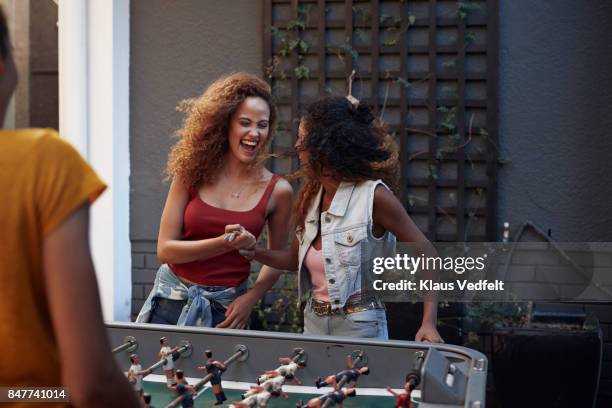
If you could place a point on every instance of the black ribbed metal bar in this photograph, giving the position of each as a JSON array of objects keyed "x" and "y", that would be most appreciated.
[
  {"x": 267, "y": 33},
  {"x": 348, "y": 32},
  {"x": 267, "y": 58},
  {"x": 295, "y": 90},
  {"x": 460, "y": 153},
  {"x": 375, "y": 70},
  {"x": 433, "y": 106},
  {"x": 321, "y": 53},
  {"x": 403, "y": 125},
  {"x": 492, "y": 116}
]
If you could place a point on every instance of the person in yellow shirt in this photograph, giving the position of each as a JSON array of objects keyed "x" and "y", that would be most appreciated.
[{"x": 51, "y": 322}]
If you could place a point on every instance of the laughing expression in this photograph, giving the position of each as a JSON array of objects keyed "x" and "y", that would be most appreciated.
[{"x": 249, "y": 128}]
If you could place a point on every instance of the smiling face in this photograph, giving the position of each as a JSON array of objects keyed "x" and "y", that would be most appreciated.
[{"x": 249, "y": 129}]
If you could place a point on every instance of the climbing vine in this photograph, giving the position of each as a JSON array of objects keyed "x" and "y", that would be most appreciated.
[{"x": 451, "y": 139}]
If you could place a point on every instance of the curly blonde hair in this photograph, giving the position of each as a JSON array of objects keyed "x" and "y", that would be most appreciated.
[{"x": 196, "y": 158}]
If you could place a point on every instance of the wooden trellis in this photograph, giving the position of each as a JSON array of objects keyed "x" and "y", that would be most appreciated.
[{"x": 428, "y": 68}]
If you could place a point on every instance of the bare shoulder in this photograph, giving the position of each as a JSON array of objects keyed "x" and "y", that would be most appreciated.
[
  {"x": 280, "y": 199},
  {"x": 178, "y": 187},
  {"x": 178, "y": 182},
  {"x": 386, "y": 205},
  {"x": 266, "y": 175},
  {"x": 283, "y": 188},
  {"x": 384, "y": 197}
]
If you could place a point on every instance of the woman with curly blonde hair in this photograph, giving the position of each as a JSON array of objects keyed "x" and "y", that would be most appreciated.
[
  {"x": 345, "y": 215},
  {"x": 220, "y": 198}
]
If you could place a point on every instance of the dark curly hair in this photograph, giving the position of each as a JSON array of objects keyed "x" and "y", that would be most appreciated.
[{"x": 346, "y": 142}]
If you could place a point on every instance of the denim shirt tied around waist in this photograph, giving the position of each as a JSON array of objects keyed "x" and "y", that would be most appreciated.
[
  {"x": 197, "y": 311},
  {"x": 348, "y": 243}
]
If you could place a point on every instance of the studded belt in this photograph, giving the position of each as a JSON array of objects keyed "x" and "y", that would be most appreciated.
[{"x": 321, "y": 308}]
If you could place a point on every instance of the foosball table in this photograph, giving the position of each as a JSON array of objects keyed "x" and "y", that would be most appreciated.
[{"x": 324, "y": 372}]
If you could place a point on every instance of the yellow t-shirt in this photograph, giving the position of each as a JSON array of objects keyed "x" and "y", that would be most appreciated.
[{"x": 43, "y": 180}]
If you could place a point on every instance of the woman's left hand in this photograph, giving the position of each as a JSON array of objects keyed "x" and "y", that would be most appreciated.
[
  {"x": 249, "y": 254},
  {"x": 238, "y": 312},
  {"x": 428, "y": 333}
]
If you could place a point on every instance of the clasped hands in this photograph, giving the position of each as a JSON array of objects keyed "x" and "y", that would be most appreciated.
[
  {"x": 238, "y": 238},
  {"x": 238, "y": 312}
]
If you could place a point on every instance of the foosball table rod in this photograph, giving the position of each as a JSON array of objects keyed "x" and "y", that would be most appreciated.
[
  {"x": 184, "y": 350},
  {"x": 359, "y": 357},
  {"x": 129, "y": 344},
  {"x": 299, "y": 356},
  {"x": 414, "y": 377},
  {"x": 241, "y": 353}
]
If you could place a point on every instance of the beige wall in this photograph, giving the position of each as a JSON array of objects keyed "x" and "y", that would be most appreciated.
[
  {"x": 177, "y": 48},
  {"x": 33, "y": 29},
  {"x": 10, "y": 13}
]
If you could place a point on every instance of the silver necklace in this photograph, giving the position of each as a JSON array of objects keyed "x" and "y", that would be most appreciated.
[{"x": 236, "y": 194}]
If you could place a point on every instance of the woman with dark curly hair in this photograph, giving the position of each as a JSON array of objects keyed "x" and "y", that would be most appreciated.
[
  {"x": 346, "y": 208},
  {"x": 220, "y": 198}
]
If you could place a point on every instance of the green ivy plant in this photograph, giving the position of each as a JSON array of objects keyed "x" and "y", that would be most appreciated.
[
  {"x": 290, "y": 41},
  {"x": 463, "y": 8}
]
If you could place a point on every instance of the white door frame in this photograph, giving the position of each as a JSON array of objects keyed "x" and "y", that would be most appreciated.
[{"x": 94, "y": 115}]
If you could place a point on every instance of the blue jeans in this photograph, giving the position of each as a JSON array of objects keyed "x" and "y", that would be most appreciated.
[
  {"x": 172, "y": 301},
  {"x": 167, "y": 311},
  {"x": 370, "y": 323}
]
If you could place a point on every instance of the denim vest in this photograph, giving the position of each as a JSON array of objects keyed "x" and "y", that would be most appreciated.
[{"x": 348, "y": 244}]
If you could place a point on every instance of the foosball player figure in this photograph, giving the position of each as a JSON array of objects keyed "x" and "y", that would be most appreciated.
[
  {"x": 336, "y": 397},
  {"x": 179, "y": 377},
  {"x": 259, "y": 400},
  {"x": 413, "y": 379},
  {"x": 147, "y": 401},
  {"x": 402, "y": 400},
  {"x": 215, "y": 368},
  {"x": 351, "y": 374},
  {"x": 287, "y": 370},
  {"x": 274, "y": 386},
  {"x": 135, "y": 374},
  {"x": 187, "y": 392},
  {"x": 165, "y": 353}
]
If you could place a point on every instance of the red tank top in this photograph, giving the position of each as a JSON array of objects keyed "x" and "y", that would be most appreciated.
[{"x": 203, "y": 221}]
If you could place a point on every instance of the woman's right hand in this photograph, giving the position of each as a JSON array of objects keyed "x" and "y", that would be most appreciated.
[{"x": 237, "y": 237}]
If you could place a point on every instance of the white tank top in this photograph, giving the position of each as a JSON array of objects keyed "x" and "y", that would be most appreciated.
[
  {"x": 138, "y": 378},
  {"x": 165, "y": 352}
]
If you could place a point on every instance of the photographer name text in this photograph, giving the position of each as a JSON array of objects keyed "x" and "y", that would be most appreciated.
[{"x": 430, "y": 285}]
